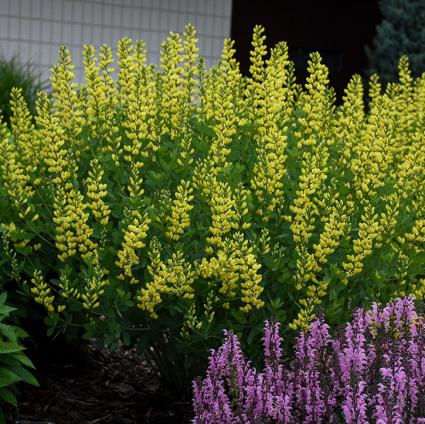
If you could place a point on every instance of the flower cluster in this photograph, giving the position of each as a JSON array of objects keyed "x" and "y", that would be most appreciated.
[{"x": 373, "y": 370}]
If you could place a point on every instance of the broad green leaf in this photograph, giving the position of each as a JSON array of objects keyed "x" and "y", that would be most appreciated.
[
  {"x": 8, "y": 396},
  {"x": 4, "y": 309},
  {"x": 23, "y": 359},
  {"x": 25, "y": 375},
  {"x": 8, "y": 347},
  {"x": 8, "y": 377},
  {"x": 9, "y": 332}
]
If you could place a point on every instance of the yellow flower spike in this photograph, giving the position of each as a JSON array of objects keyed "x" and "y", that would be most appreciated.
[
  {"x": 171, "y": 57},
  {"x": 311, "y": 260},
  {"x": 223, "y": 212},
  {"x": 388, "y": 219},
  {"x": 419, "y": 99},
  {"x": 192, "y": 322},
  {"x": 42, "y": 292},
  {"x": 410, "y": 172},
  {"x": 176, "y": 276},
  {"x": 372, "y": 155},
  {"x": 134, "y": 235},
  {"x": 351, "y": 119},
  {"x": 101, "y": 99},
  {"x": 375, "y": 89},
  {"x": 138, "y": 96},
  {"x": 405, "y": 99},
  {"x": 315, "y": 103},
  {"x": 225, "y": 108},
  {"x": 126, "y": 66},
  {"x": 13, "y": 174},
  {"x": 189, "y": 71},
  {"x": 68, "y": 105},
  {"x": 60, "y": 163},
  {"x": 223, "y": 267},
  {"x": 304, "y": 318},
  {"x": 154, "y": 254},
  {"x": 363, "y": 245},
  {"x": 207, "y": 84},
  {"x": 96, "y": 192},
  {"x": 235, "y": 265},
  {"x": 94, "y": 287},
  {"x": 72, "y": 231},
  {"x": 135, "y": 185},
  {"x": 179, "y": 219},
  {"x": 270, "y": 88},
  {"x": 415, "y": 238},
  {"x": 241, "y": 196},
  {"x": 418, "y": 290},
  {"x": 186, "y": 149},
  {"x": 66, "y": 289},
  {"x": 313, "y": 174},
  {"x": 23, "y": 133},
  {"x": 257, "y": 53}
]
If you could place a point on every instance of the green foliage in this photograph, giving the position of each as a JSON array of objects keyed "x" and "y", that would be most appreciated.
[
  {"x": 14, "y": 363},
  {"x": 14, "y": 73},
  {"x": 401, "y": 32}
]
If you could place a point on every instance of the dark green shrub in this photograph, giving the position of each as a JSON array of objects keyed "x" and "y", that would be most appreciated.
[{"x": 14, "y": 73}]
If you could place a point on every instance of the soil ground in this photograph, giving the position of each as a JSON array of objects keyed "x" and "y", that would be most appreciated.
[{"x": 98, "y": 387}]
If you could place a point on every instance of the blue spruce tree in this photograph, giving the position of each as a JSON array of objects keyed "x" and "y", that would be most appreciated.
[{"x": 401, "y": 32}]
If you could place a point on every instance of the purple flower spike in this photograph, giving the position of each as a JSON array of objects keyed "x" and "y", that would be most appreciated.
[{"x": 371, "y": 372}]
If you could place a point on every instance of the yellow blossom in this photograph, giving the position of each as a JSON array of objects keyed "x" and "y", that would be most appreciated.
[
  {"x": 134, "y": 235},
  {"x": 179, "y": 219}
]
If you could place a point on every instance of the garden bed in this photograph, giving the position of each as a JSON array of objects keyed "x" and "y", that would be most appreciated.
[{"x": 91, "y": 387}]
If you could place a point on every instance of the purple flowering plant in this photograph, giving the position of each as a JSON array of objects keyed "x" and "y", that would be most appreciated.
[{"x": 370, "y": 371}]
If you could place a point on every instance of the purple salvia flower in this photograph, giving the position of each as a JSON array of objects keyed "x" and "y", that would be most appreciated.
[
  {"x": 211, "y": 404},
  {"x": 374, "y": 371},
  {"x": 353, "y": 363},
  {"x": 272, "y": 344},
  {"x": 380, "y": 412},
  {"x": 310, "y": 352}
]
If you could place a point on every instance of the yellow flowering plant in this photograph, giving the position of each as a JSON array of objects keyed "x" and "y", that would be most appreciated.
[{"x": 159, "y": 205}]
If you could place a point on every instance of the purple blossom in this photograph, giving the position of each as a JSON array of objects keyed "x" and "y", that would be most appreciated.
[{"x": 371, "y": 372}]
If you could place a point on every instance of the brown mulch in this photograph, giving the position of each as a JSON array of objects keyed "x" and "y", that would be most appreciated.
[{"x": 99, "y": 387}]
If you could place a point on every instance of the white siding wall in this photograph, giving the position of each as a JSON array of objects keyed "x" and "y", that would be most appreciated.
[{"x": 35, "y": 29}]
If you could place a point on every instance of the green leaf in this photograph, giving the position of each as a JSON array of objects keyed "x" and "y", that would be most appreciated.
[
  {"x": 20, "y": 333},
  {"x": 24, "y": 375},
  {"x": 8, "y": 331},
  {"x": 23, "y": 359},
  {"x": 4, "y": 309},
  {"x": 7, "y": 396},
  {"x": 8, "y": 347},
  {"x": 164, "y": 164},
  {"x": 8, "y": 377}
]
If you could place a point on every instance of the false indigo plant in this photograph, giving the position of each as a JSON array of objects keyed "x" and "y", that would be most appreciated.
[{"x": 371, "y": 371}]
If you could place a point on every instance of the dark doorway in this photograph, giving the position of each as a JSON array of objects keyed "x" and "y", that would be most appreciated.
[{"x": 339, "y": 30}]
